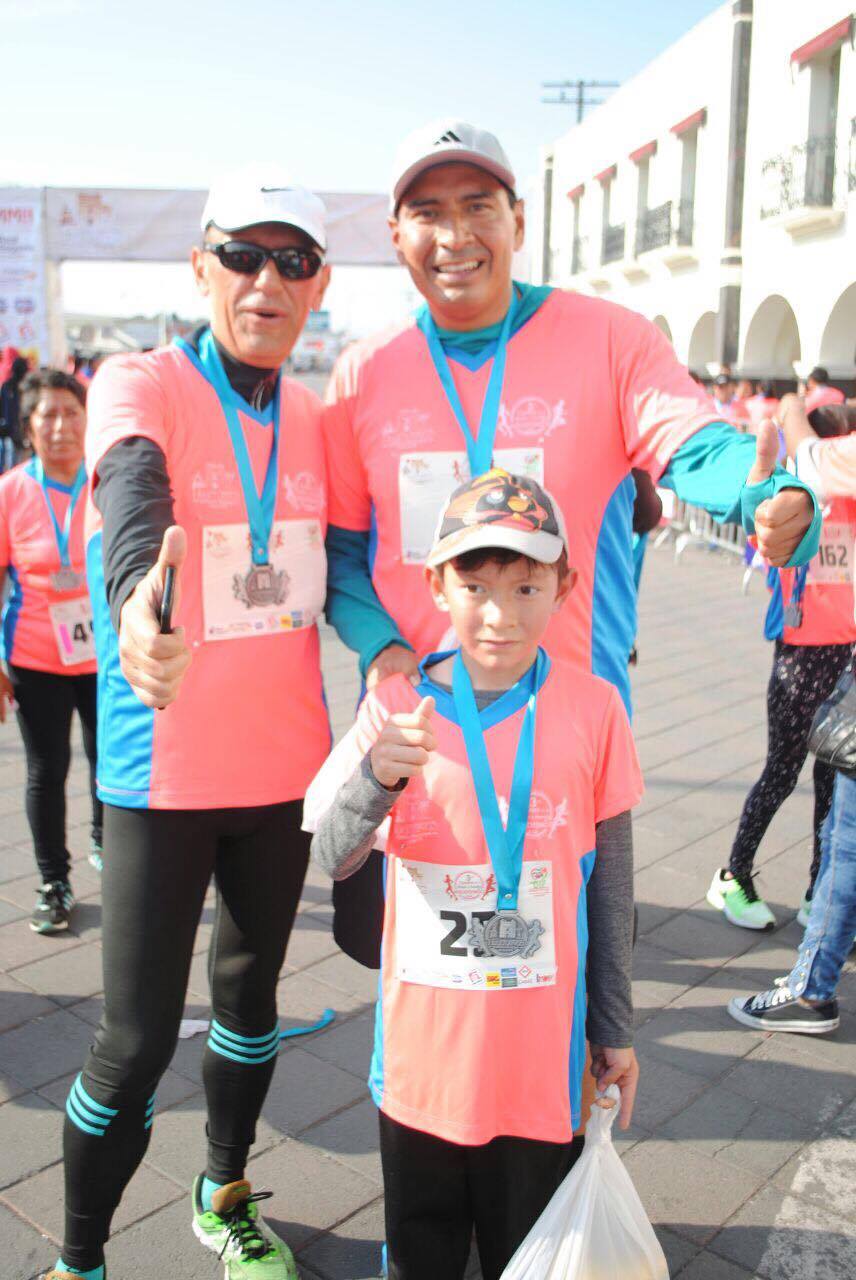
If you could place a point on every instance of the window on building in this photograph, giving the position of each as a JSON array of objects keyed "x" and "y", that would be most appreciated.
[
  {"x": 612, "y": 235},
  {"x": 687, "y": 131},
  {"x": 578, "y": 247},
  {"x": 822, "y": 128}
]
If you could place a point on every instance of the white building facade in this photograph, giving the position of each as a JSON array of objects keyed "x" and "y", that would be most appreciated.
[{"x": 715, "y": 193}]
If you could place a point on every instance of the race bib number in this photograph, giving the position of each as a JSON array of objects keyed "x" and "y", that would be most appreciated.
[
  {"x": 425, "y": 481},
  {"x": 449, "y": 933},
  {"x": 239, "y": 600},
  {"x": 73, "y": 630},
  {"x": 833, "y": 563}
]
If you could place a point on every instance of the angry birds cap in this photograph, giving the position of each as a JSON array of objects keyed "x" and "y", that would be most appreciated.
[{"x": 498, "y": 509}]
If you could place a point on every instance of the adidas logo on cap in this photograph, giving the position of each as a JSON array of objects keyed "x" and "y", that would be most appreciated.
[{"x": 448, "y": 136}]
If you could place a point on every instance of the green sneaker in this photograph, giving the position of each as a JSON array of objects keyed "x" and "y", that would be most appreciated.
[
  {"x": 804, "y": 911},
  {"x": 235, "y": 1230},
  {"x": 96, "y": 856},
  {"x": 738, "y": 901}
]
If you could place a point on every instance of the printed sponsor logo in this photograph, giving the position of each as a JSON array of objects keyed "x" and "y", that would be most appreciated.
[
  {"x": 545, "y": 818},
  {"x": 24, "y": 306},
  {"x": 524, "y": 971},
  {"x": 410, "y": 428},
  {"x": 17, "y": 216},
  {"x": 531, "y": 417},
  {"x": 493, "y": 980},
  {"x": 215, "y": 486},
  {"x": 542, "y": 977},
  {"x": 539, "y": 881},
  {"x": 475, "y": 977},
  {"x": 304, "y": 491}
]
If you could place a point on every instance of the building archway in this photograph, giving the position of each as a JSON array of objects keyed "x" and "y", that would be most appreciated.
[
  {"x": 702, "y": 348},
  {"x": 838, "y": 344},
  {"x": 665, "y": 328},
  {"x": 772, "y": 344}
]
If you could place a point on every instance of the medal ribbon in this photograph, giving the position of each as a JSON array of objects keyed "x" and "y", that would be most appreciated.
[
  {"x": 505, "y": 844},
  {"x": 480, "y": 450},
  {"x": 62, "y": 534},
  {"x": 260, "y": 506}
]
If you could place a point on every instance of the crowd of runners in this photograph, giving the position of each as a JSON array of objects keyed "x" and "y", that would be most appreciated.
[{"x": 462, "y": 509}]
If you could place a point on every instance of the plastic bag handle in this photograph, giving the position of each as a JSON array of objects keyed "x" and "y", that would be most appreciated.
[{"x": 601, "y": 1119}]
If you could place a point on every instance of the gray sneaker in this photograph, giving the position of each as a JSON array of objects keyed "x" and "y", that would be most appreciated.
[{"x": 52, "y": 908}]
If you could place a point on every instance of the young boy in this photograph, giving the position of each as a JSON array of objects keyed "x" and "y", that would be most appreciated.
[{"x": 500, "y": 789}]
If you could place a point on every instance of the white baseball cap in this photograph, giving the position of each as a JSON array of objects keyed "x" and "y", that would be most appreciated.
[
  {"x": 443, "y": 142},
  {"x": 261, "y": 193}
]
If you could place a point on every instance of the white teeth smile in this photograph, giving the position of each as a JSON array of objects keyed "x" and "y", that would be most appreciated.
[{"x": 458, "y": 268}]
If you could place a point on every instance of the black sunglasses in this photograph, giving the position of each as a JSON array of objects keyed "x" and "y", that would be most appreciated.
[{"x": 248, "y": 259}]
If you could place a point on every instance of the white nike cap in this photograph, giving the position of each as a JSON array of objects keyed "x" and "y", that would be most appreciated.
[
  {"x": 260, "y": 193},
  {"x": 448, "y": 141}
]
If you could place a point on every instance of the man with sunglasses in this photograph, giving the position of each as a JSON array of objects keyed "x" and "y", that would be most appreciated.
[
  {"x": 572, "y": 390},
  {"x": 205, "y": 459}
]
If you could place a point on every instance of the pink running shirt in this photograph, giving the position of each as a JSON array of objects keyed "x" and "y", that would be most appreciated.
[
  {"x": 471, "y": 1048},
  {"x": 43, "y": 628}
]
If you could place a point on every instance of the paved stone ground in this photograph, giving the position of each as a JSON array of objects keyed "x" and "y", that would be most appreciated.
[{"x": 739, "y": 1147}]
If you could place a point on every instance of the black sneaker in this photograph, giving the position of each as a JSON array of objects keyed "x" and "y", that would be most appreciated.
[
  {"x": 53, "y": 907},
  {"x": 779, "y": 1010}
]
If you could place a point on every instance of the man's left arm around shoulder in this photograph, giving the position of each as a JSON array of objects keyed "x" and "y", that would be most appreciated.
[{"x": 737, "y": 479}]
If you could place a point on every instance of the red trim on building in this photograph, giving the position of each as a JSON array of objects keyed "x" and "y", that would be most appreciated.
[
  {"x": 695, "y": 121},
  {"x": 577, "y": 192},
  {"x": 643, "y": 153},
  {"x": 607, "y": 175},
  {"x": 826, "y": 40}
]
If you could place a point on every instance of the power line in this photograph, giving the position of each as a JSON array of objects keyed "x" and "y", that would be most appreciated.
[{"x": 579, "y": 97}]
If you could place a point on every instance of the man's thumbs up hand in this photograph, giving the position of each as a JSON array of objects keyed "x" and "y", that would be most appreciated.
[
  {"x": 154, "y": 664},
  {"x": 780, "y": 522}
]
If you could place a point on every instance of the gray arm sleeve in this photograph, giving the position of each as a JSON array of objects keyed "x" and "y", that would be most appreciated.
[
  {"x": 610, "y": 924},
  {"x": 345, "y": 834}
]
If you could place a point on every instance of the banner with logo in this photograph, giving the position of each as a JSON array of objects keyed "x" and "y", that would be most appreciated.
[
  {"x": 23, "y": 303},
  {"x": 161, "y": 226}
]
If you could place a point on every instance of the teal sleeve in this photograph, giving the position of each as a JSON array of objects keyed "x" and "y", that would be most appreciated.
[
  {"x": 353, "y": 608},
  {"x": 710, "y": 471}
]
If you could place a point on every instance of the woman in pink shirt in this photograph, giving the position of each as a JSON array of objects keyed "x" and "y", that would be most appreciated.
[{"x": 46, "y": 639}]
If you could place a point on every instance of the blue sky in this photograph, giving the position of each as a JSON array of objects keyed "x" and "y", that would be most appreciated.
[{"x": 169, "y": 92}]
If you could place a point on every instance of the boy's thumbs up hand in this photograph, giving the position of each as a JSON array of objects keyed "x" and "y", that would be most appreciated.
[
  {"x": 405, "y": 743},
  {"x": 154, "y": 664},
  {"x": 780, "y": 522}
]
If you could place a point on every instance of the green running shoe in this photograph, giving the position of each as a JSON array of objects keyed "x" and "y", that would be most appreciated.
[
  {"x": 235, "y": 1230},
  {"x": 738, "y": 901}
]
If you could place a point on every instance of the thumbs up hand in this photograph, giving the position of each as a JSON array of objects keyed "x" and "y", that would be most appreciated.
[
  {"x": 404, "y": 746},
  {"x": 154, "y": 664},
  {"x": 780, "y": 522}
]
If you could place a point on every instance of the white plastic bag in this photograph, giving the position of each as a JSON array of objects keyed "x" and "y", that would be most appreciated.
[{"x": 594, "y": 1228}]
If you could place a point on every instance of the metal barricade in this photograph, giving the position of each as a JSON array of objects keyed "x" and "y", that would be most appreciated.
[{"x": 695, "y": 527}]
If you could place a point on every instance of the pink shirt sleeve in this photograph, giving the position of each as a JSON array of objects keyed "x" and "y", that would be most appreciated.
[
  {"x": 659, "y": 403},
  {"x": 126, "y": 399},
  {"x": 349, "y": 498},
  {"x": 618, "y": 778},
  {"x": 829, "y": 466}
]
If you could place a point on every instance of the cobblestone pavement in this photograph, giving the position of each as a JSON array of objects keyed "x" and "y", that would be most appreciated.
[{"x": 741, "y": 1147}]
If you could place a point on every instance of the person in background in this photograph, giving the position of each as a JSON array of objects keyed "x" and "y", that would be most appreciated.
[
  {"x": 819, "y": 391},
  {"x": 46, "y": 639},
  {"x": 13, "y": 369},
  {"x": 723, "y": 395},
  {"x": 804, "y": 1001},
  {"x": 743, "y": 393},
  {"x": 762, "y": 405},
  {"x": 810, "y": 620}
]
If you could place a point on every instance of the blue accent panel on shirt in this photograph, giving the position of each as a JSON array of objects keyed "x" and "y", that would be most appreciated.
[
  {"x": 774, "y": 622},
  {"x": 500, "y": 709},
  {"x": 577, "y": 1056},
  {"x": 125, "y": 726},
  {"x": 376, "y": 1081},
  {"x": 352, "y": 607},
  {"x": 613, "y": 606},
  {"x": 710, "y": 469},
  {"x": 11, "y": 614},
  {"x": 263, "y": 416},
  {"x": 30, "y": 467}
]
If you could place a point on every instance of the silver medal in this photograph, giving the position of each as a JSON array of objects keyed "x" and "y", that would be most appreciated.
[
  {"x": 261, "y": 586},
  {"x": 66, "y": 579},
  {"x": 506, "y": 934},
  {"x": 793, "y": 614}
]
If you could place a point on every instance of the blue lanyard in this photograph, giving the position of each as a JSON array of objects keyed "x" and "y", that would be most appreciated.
[
  {"x": 260, "y": 506},
  {"x": 63, "y": 534},
  {"x": 799, "y": 584},
  {"x": 505, "y": 844},
  {"x": 480, "y": 450}
]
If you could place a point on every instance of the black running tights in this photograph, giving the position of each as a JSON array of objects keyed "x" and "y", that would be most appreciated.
[
  {"x": 46, "y": 704},
  {"x": 803, "y": 676},
  {"x": 157, "y": 867}
]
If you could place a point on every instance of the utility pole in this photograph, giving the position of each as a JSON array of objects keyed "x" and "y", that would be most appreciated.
[{"x": 579, "y": 97}]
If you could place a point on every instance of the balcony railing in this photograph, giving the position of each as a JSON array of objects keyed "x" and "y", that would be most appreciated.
[
  {"x": 802, "y": 178},
  {"x": 670, "y": 223},
  {"x": 612, "y": 247},
  {"x": 579, "y": 255}
]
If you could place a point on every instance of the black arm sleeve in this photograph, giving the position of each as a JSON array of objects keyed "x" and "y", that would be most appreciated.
[
  {"x": 135, "y": 500},
  {"x": 610, "y": 922}
]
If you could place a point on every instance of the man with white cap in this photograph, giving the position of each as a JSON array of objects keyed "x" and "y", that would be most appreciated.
[
  {"x": 207, "y": 461},
  {"x": 572, "y": 390}
]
